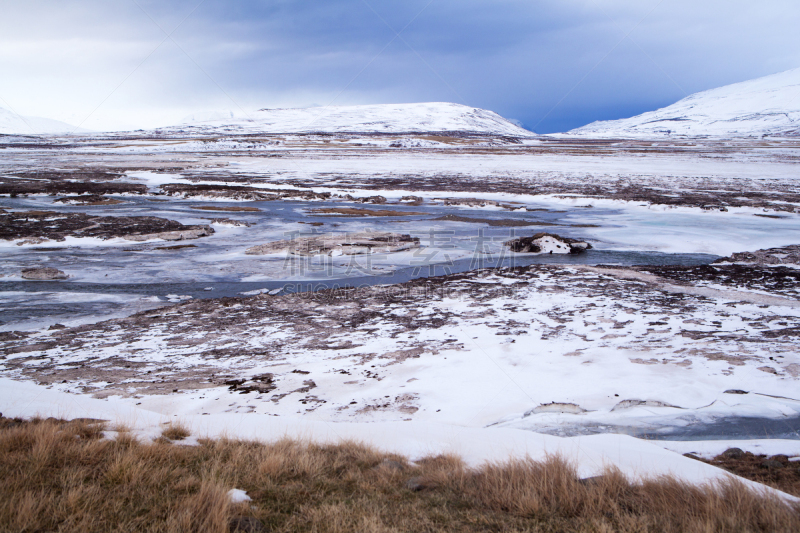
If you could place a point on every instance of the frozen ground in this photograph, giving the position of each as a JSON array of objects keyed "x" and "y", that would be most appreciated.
[
  {"x": 577, "y": 346},
  {"x": 556, "y": 349}
]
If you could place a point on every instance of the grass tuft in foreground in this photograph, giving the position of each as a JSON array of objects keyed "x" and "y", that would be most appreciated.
[
  {"x": 63, "y": 476},
  {"x": 175, "y": 431}
]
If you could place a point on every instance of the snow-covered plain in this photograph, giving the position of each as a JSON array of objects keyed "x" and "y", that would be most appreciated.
[
  {"x": 484, "y": 348},
  {"x": 768, "y": 106}
]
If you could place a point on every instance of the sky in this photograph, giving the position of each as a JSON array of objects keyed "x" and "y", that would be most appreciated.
[{"x": 551, "y": 65}]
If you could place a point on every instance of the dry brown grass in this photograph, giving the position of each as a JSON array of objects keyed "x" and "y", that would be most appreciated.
[
  {"x": 62, "y": 476},
  {"x": 175, "y": 431},
  {"x": 751, "y": 466}
]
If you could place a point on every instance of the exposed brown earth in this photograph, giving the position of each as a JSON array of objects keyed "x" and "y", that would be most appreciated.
[{"x": 52, "y": 182}]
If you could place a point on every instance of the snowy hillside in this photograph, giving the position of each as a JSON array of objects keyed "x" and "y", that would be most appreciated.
[
  {"x": 389, "y": 118},
  {"x": 764, "y": 106},
  {"x": 11, "y": 123}
]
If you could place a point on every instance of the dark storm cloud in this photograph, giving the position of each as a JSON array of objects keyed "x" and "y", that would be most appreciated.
[{"x": 552, "y": 64}]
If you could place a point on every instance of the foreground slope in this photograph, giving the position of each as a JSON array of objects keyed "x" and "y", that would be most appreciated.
[
  {"x": 12, "y": 123},
  {"x": 754, "y": 108},
  {"x": 436, "y": 117}
]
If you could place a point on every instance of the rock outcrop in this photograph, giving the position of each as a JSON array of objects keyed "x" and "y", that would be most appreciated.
[
  {"x": 786, "y": 255},
  {"x": 334, "y": 244},
  {"x": 43, "y": 274},
  {"x": 547, "y": 243}
]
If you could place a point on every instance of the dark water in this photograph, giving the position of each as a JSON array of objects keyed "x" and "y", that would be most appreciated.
[
  {"x": 734, "y": 428},
  {"x": 48, "y": 302},
  {"x": 234, "y": 288}
]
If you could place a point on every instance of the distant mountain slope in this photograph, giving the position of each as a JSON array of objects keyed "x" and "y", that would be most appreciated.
[
  {"x": 389, "y": 118},
  {"x": 764, "y": 106},
  {"x": 11, "y": 123}
]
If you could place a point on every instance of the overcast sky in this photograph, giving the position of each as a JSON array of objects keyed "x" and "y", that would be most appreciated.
[{"x": 552, "y": 65}]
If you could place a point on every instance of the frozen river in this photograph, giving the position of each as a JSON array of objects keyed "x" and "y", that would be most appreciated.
[{"x": 115, "y": 277}]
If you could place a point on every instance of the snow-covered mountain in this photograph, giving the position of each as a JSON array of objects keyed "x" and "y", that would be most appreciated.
[
  {"x": 12, "y": 123},
  {"x": 388, "y": 118},
  {"x": 764, "y": 106}
]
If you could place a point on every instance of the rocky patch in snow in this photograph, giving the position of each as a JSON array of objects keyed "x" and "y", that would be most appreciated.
[
  {"x": 786, "y": 255},
  {"x": 503, "y": 223},
  {"x": 335, "y": 244},
  {"x": 628, "y": 404},
  {"x": 475, "y": 202},
  {"x": 358, "y": 212},
  {"x": 766, "y": 279},
  {"x": 547, "y": 243},
  {"x": 240, "y": 192},
  {"x": 367, "y": 200},
  {"x": 39, "y": 226},
  {"x": 89, "y": 199},
  {"x": 43, "y": 273},
  {"x": 230, "y": 222},
  {"x": 412, "y": 200},
  {"x": 557, "y": 407}
]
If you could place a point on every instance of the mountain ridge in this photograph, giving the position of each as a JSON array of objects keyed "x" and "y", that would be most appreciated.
[
  {"x": 764, "y": 106},
  {"x": 13, "y": 124},
  {"x": 429, "y": 117}
]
